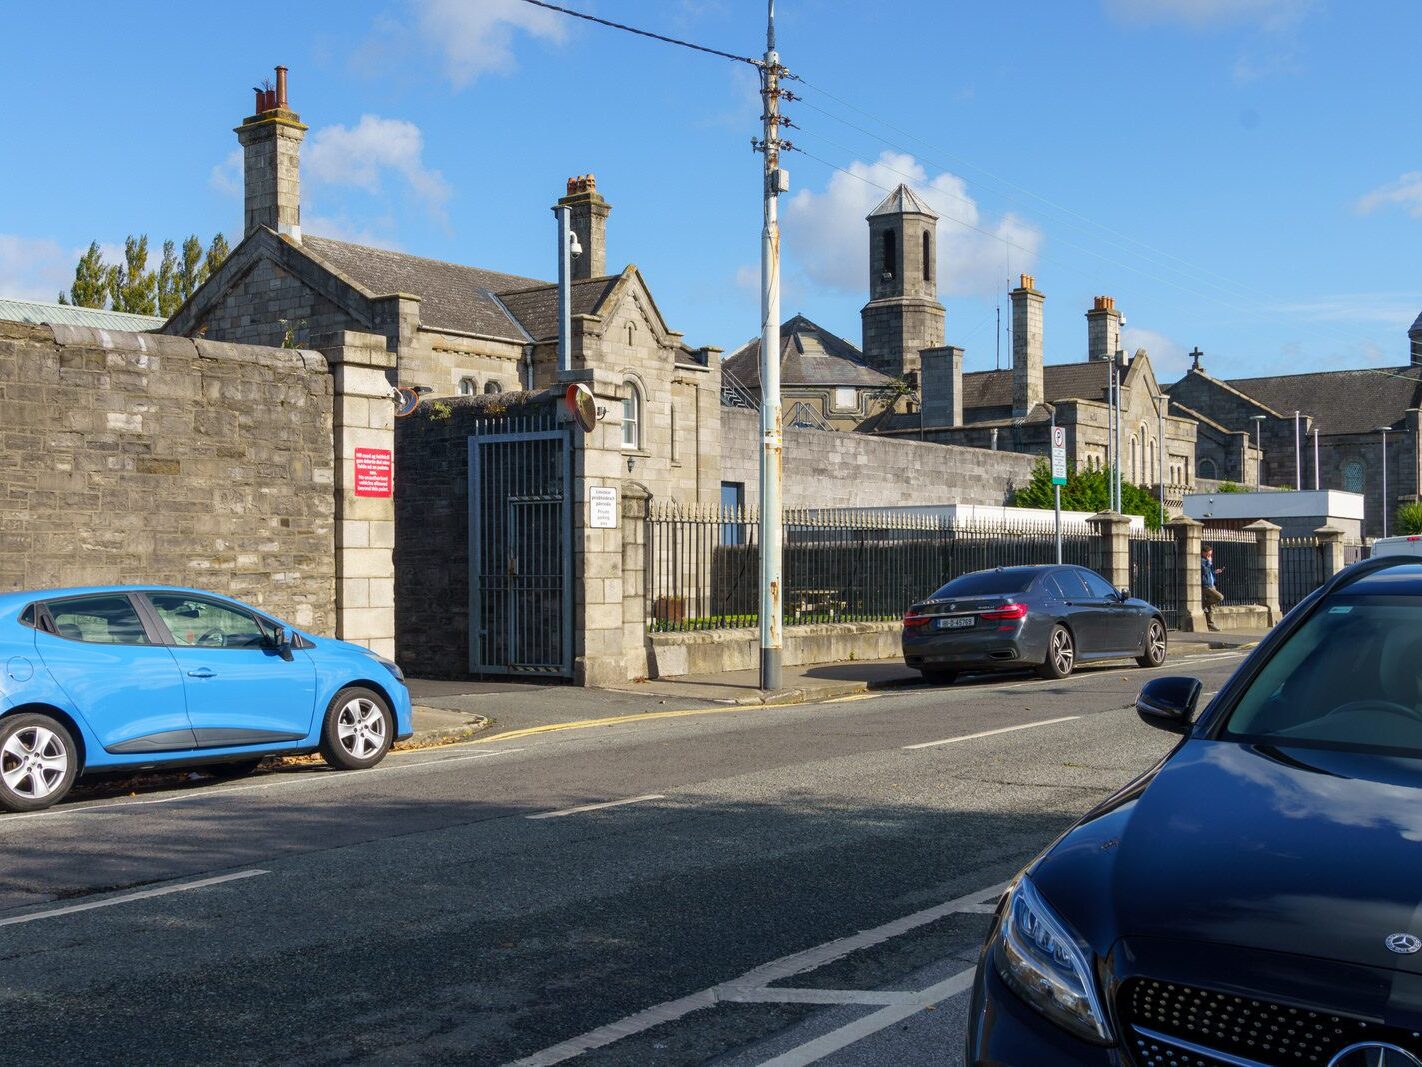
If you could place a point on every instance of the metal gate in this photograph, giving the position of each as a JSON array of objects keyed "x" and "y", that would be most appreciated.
[{"x": 520, "y": 547}]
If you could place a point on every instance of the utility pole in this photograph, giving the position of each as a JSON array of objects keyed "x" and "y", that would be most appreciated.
[
  {"x": 1315, "y": 457},
  {"x": 1160, "y": 402},
  {"x": 774, "y": 181},
  {"x": 1298, "y": 456}
]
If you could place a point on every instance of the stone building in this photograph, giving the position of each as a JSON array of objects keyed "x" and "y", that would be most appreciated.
[
  {"x": 1345, "y": 410},
  {"x": 825, "y": 382},
  {"x": 1011, "y": 410},
  {"x": 457, "y": 329}
]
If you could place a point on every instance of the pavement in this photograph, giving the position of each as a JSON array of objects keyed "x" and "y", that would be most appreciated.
[
  {"x": 736, "y": 885},
  {"x": 454, "y": 710}
]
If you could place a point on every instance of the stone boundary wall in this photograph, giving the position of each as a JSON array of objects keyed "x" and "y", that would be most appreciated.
[
  {"x": 132, "y": 458},
  {"x": 672, "y": 655},
  {"x": 824, "y": 469}
]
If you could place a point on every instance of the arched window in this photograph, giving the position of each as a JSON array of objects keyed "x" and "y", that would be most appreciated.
[
  {"x": 1152, "y": 468},
  {"x": 631, "y": 416},
  {"x": 1207, "y": 468},
  {"x": 492, "y": 386},
  {"x": 631, "y": 332},
  {"x": 1135, "y": 459},
  {"x": 927, "y": 257},
  {"x": 468, "y": 386},
  {"x": 1353, "y": 476},
  {"x": 890, "y": 265}
]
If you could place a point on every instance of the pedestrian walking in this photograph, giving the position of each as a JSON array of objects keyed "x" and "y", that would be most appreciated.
[{"x": 1209, "y": 589}]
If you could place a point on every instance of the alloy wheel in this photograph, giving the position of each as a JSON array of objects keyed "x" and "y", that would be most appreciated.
[
  {"x": 1155, "y": 642},
  {"x": 1062, "y": 652},
  {"x": 34, "y": 762},
  {"x": 361, "y": 728}
]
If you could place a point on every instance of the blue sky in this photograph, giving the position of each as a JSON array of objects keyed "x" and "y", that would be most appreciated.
[{"x": 1241, "y": 175}]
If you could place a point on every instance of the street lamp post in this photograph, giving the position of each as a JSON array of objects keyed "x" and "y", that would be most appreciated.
[
  {"x": 1383, "y": 430},
  {"x": 1317, "y": 484},
  {"x": 1298, "y": 456},
  {"x": 1258, "y": 452}
]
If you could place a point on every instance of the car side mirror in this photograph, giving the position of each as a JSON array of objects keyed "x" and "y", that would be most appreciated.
[
  {"x": 281, "y": 641},
  {"x": 1169, "y": 703},
  {"x": 1124, "y": 594}
]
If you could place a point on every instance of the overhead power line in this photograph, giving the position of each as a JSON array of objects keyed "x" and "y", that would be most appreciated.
[{"x": 643, "y": 33}]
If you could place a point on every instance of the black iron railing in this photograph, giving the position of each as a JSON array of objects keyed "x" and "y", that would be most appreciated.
[
  {"x": 703, "y": 565},
  {"x": 1155, "y": 571},
  {"x": 1300, "y": 569}
]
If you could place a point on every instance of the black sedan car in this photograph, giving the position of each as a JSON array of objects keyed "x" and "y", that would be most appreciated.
[
  {"x": 1256, "y": 898},
  {"x": 1047, "y": 617}
]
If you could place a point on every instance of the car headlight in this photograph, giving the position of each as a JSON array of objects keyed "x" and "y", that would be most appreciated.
[
  {"x": 391, "y": 666},
  {"x": 1047, "y": 966}
]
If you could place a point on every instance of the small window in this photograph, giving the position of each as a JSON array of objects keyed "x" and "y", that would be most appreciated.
[
  {"x": 631, "y": 332},
  {"x": 675, "y": 446},
  {"x": 108, "y": 619},
  {"x": 889, "y": 266},
  {"x": 468, "y": 386},
  {"x": 927, "y": 256},
  {"x": 29, "y": 616},
  {"x": 198, "y": 623},
  {"x": 1207, "y": 468},
  {"x": 491, "y": 387},
  {"x": 1353, "y": 476},
  {"x": 631, "y": 417}
]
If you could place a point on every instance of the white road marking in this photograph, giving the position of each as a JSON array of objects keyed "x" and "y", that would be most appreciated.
[
  {"x": 743, "y": 988},
  {"x": 783, "y": 995},
  {"x": 990, "y": 733},
  {"x": 292, "y": 781},
  {"x": 873, "y": 1022},
  {"x": 595, "y": 807},
  {"x": 144, "y": 894}
]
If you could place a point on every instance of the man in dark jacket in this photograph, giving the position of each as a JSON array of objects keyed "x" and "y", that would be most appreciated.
[{"x": 1209, "y": 593}]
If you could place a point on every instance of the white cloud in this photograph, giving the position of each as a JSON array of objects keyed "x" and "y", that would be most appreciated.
[
  {"x": 359, "y": 157},
  {"x": 827, "y": 237},
  {"x": 341, "y": 228},
  {"x": 226, "y": 177},
  {"x": 1272, "y": 14},
  {"x": 469, "y": 38},
  {"x": 35, "y": 268},
  {"x": 1379, "y": 309},
  {"x": 1405, "y": 192},
  {"x": 1168, "y": 358}
]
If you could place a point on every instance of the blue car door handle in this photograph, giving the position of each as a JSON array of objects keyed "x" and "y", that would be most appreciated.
[{"x": 202, "y": 672}]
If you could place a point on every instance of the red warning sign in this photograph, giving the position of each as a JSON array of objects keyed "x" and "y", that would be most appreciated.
[{"x": 374, "y": 472}]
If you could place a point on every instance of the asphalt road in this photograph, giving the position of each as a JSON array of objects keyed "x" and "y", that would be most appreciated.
[{"x": 451, "y": 906}]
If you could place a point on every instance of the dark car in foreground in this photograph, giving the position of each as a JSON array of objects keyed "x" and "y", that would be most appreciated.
[
  {"x": 1047, "y": 617},
  {"x": 1255, "y": 899}
]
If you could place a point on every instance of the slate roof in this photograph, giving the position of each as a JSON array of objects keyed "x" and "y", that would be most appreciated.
[
  {"x": 902, "y": 200},
  {"x": 536, "y": 307},
  {"x": 40, "y": 312},
  {"x": 809, "y": 356},
  {"x": 452, "y": 297},
  {"x": 1341, "y": 401}
]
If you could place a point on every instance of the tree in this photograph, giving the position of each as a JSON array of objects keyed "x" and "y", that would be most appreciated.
[
  {"x": 169, "y": 296},
  {"x": 1409, "y": 518},
  {"x": 133, "y": 287},
  {"x": 92, "y": 281},
  {"x": 1087, "y": 490},
  {"x": 216, "y": 253}
]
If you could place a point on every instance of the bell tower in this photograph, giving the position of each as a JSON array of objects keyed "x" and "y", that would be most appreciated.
[{"x": 903, "y": 316}]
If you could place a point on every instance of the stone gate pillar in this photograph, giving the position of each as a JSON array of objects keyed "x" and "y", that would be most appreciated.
[
  {"x": 1187, "y": 540},
  {"x": 1330, "y": 550},
  {"x": 1112, "y": 553},
  {"x": 1266, "y": 567},
  {"x": 363, "y": 430}
]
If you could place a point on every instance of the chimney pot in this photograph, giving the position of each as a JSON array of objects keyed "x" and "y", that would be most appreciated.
[
  {"x": 1028, "y": 282},
  {"x": 281, "y": 87}
]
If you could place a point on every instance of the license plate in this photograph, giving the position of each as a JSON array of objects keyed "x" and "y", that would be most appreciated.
[{"x": 955, "y": 622}]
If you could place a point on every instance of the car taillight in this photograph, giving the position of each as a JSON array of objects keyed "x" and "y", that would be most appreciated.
[
  {"x": 912, "y": 618},
  {"x": 1007, "y": 611}
]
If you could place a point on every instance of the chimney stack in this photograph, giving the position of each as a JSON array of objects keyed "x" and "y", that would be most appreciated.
[
  {"x": 1414, "y": 337},
  {"x": 1027, "y": 305},
  {"x": 941, "y": 386},
  {"x": 271, "y": 163},
  {"x": 1103, "y": 329},
  {"x": 587, "y": 216}
]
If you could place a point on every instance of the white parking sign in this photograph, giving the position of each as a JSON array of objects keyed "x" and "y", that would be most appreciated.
[{"x": 1059, "y": 473}]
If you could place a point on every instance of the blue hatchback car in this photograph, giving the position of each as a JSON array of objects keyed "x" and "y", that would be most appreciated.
[{"x": 123, "y": 678}]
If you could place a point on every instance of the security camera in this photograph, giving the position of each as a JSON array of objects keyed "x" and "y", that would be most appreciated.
[{"x": 575, "y": 249}]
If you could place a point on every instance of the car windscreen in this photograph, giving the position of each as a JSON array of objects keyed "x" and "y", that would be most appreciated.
[
  {"x": 1349, "y": 678},
  {"x": 986, "y": 583}
]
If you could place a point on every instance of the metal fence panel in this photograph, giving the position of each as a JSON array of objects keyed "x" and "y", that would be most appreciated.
[
  {"x": 1300, "y": 569},
  {"x": 1236, "y": 556},
  {"x": 703, "y": 564},
  {"x": 1155, "y": 571}
]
